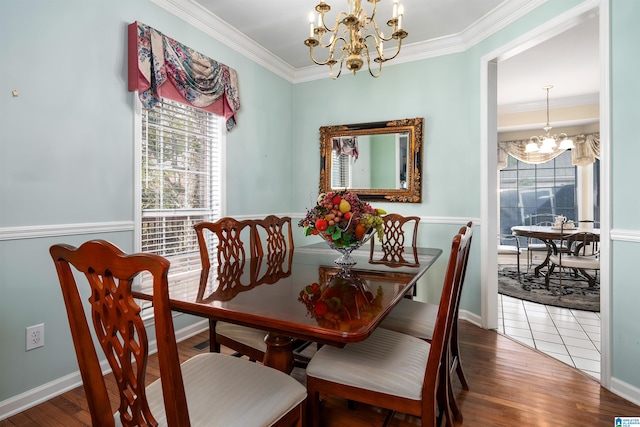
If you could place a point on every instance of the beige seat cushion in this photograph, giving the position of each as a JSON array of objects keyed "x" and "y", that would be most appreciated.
[
  {"x": 413, "y": 318},
  {"x": 386, "y": 362},
  {"x": 571, "y": 261},
  {"x": 507, "y": 250},
  {"x": 251, "y": 337},
  {"x": 227, "y": 391},
  {"x": 536, "y": 247}
]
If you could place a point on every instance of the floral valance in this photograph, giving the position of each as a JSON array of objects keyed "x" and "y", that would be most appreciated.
[
  {"x": 159, "y": 67},
  {"x": 587, "y": 149},
  {"x": 346, "y": 145}
]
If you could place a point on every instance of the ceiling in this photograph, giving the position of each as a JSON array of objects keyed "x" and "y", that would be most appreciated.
[{"x": 569, "y": 60}]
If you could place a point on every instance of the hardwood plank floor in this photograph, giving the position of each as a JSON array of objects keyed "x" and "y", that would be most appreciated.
[{"x": 511, "y": 385}]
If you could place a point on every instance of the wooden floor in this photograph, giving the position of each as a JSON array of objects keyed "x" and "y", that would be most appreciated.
[{"x": 511, "y": 385}]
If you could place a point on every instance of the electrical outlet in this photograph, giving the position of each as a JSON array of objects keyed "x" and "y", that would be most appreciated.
[{"x": 35, "y": 336}]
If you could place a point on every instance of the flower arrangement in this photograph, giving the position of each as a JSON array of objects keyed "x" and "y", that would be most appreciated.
[{"x": 341, "y": 218}]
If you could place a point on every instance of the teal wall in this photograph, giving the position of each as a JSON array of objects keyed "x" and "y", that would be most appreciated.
[
  {"x": 383, "y": 165},
  {"x": 625, "y": 199},
  {"x": 66, "y": 153}
]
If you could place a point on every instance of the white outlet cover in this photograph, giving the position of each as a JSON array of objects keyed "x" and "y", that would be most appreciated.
[{"x": 35, "y": 336}]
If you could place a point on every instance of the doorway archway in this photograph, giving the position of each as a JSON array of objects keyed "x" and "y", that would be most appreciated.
[{"x": 489, "y": 141}]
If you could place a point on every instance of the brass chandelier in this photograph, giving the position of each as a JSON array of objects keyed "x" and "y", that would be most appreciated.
[
  {"x": 355, "y": 33},
  {"x": 547, "y": 143}
]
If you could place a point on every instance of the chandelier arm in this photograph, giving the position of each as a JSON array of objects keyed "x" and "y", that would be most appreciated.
[
  {"x": 397, "y": 51},
  {"x": 322, "y": 28},
  {"x": 330, "y": 58},
  {"x": 339, "y": 71},
  {"x": 380, "y": 34},
  {"x": 373, "y": 10},
  {"x": 369, "y": 67},
  {"x": 376, "y": 44}
]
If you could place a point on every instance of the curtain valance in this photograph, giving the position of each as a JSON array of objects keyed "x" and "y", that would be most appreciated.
[
  {"x": 587, "y": 149},
  {"x": 346, "y": 145},
  {"x": 195, "y": 79}
]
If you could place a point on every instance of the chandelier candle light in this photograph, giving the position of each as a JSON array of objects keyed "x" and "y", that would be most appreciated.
[
  {"x": 354, "y": 34},
  {"x": 548, "y": 143}
]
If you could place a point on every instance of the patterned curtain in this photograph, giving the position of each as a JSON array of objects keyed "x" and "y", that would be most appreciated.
[
  {"x": 155, "y": 59},
  {"x": 587, "y": 149},
  {"x": 346, "y": 145}
]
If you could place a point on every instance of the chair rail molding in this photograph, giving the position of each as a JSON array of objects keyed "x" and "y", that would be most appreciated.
[
  {"x": 621, "y": 235},
  {"x": 54, "y": 230}
]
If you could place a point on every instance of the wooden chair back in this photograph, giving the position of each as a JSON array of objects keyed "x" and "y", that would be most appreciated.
[
  {"x": 231, "y": 235},
  {"x": 437, "y": 371},
  {"x": 120, "y": 331},
  {"x": 277, "y": 233},
  {"x": 395, "y": 243}
]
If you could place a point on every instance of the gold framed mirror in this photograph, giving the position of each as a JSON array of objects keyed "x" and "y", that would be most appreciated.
[{"x": 380, "y": 161}]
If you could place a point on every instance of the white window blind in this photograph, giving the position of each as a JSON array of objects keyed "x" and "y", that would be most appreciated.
[
  {"x": 180, "y": 181},
  {"x": 340, "y": 170}
]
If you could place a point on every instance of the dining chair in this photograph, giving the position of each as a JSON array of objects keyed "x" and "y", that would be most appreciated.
[
  {"x": 393, "y": 370},
  {"x": 229, "y": 236},
  {"x": 276, "y": 233},
  {"x": 533, "y": 244},
  {"x": 208, "y": 389},
  {"x": 274, "y": 242},
  {"x": 418, "y": 319},
  {"x": 507, "y": 249},
  {"x": 395, "y": 245},
  {"x": 583, "y": 254}
]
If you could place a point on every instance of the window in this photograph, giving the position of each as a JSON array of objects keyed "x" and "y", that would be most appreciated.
[
  {"x": 340, "y": 170},
  {"x": 180, "y": 181},
  {"x": 527, "y": 189}
]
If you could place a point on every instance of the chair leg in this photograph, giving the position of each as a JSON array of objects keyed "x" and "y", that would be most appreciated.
[
  {"x": 455, "y": 356},
  {"x": 442, "y": 394},
  {"x": 214, "y": 346},
  {"x": 313, "y": 406},
  {"x": 547, "y": 276}
]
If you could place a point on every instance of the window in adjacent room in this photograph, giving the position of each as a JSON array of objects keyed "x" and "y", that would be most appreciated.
[{"x": 528, "y": 189}]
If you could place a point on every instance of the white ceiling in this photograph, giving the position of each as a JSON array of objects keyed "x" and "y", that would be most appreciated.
[
  {"x": 281, "y": 26},
  {"x": 569, "y": 61}
]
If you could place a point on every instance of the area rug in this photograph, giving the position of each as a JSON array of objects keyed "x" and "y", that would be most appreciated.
[{"x": 575, "y": 294}]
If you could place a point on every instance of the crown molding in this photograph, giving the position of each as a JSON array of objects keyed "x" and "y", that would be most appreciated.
[
  {"x": 489, "y": 24},
  {"x": 202, "y": 19},
  {"x": 569, "y": 101}
]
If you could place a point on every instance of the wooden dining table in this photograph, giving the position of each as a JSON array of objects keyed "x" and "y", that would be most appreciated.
[
  {"x": 279, "y": 294},
  {"x": 549, "y": 235}
]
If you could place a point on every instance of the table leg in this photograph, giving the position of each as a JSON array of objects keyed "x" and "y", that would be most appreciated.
[
  {"x": 279, "y": 353},
  {"x": 551, "y": 248}
]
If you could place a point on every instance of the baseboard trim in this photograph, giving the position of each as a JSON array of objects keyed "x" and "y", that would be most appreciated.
[
  {"x": 35, "y": 396},
  {"x": 625, "y": 390},
  {"x": 470, "y": 317}
]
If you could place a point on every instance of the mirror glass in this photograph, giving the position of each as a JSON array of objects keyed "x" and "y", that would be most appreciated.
[{"x": 378, "y": 160}]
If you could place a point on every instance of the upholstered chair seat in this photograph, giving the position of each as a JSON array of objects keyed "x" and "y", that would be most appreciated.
[
  {"x": 220, "y": 389},
  {"x": 413, "y": 318},
  {"x": 386, "y": 362},
  {"x": 250, "y": 337}
]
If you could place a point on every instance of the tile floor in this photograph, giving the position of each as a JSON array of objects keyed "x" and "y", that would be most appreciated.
[{"x": 571, "y": 336}]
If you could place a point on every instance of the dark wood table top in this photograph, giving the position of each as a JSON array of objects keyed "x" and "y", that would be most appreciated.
[{"x": 269, "y": 294}]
